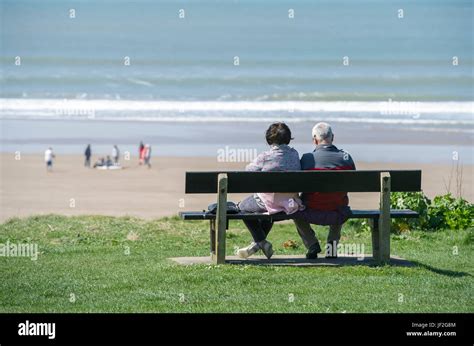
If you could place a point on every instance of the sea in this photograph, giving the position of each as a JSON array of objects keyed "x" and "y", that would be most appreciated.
[{"x": 118, "y": 71}]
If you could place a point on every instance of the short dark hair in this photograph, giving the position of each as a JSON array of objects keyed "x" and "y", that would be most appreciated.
[{"x": 278, "y": 133}]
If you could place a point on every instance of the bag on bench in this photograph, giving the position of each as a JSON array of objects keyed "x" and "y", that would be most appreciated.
[{"x": 232, "y": 208}]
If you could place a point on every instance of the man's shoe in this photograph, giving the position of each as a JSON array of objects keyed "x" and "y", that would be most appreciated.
[
  {"x": 248, "y": 251},
  {"x": 313, "y": 251},
  {"x": 267, "y": 248}
]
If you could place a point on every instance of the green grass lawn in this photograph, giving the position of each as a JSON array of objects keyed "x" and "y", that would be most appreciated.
[{"x": 113, "y": 264}]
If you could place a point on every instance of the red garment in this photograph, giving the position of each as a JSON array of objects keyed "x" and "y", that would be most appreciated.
[
  {"x": 327, "y": 200},
  {"x": 326, "y": 157}
]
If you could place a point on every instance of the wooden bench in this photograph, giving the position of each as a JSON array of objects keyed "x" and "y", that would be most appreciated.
[{"x": 302, "y": 181}]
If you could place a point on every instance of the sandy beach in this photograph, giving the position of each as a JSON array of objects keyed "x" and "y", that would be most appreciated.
[{"x": 71, "y": 189}]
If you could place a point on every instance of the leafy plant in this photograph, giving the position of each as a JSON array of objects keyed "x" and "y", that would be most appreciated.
[
  {"x": 444, "y": 212},
  {"x": 416, "y": 201},
  {"x": 449, "y": 212}
]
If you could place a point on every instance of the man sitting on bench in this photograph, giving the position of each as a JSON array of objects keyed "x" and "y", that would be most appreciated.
[{"x": 324, "y": 208}]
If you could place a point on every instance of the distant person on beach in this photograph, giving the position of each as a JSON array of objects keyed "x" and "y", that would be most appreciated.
[
  {"x": 48, "y": 158},
  {"x": 147, "y": 155},
  {"x": 108, "y": 161},
  {"x": 88, "y": 154},
  {"x": 280, "y": 157},
  {"x": 99, "y": 163},
  {"x": 141, "y": 153},
  {"x": 323, "y": 208},
  {"x": 115, "y": 154}
]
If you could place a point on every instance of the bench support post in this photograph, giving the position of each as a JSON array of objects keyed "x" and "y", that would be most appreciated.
[
  {"x": 374, "y": 227},
  {"x": 384, "y": 219},
  {"x": 221, "y": 218},
  {"x": 212, "y": 231}
]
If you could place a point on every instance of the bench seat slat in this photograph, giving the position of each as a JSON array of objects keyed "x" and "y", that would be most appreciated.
[{"x": 356, "y": 214}]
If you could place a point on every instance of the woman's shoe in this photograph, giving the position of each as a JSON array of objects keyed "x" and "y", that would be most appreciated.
[{"x": 248, "y": 251}]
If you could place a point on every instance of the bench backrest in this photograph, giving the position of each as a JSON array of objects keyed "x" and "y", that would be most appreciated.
[{"x": 303, "y": 181}]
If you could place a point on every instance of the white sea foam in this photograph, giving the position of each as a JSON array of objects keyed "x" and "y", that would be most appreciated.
[
  {"x": 422, "y": 113},
  {"x": 140, "y": 82}
]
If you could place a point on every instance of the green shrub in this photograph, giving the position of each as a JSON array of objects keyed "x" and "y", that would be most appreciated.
[
  {"x": 444, "y": 212},
  {"x": 416, "y": 201},
  {"x": 452, "y": 213}
]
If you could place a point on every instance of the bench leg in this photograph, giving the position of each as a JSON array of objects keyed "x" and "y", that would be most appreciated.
[
  {"x": 212, "y": 231},
  {"x": 221, "y": 218},
  {"x": 374, "y": 227},
  {"x": 384, "y": 220}
]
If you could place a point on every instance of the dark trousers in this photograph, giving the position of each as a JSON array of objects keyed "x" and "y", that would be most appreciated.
[
  {"x": 258, "y": 228},
  {"x": 334, "y": 219}
]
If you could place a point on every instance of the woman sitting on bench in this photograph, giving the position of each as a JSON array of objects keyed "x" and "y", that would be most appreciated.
[{"x": 280, "y": 157}]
